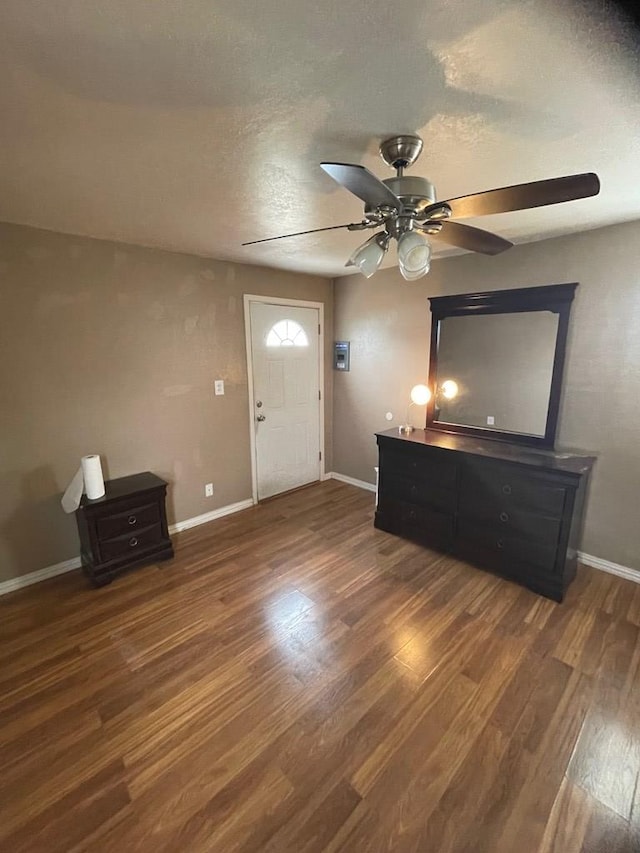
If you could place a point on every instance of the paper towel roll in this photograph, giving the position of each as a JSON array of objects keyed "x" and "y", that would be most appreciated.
[
  {"x": 88, "y": 478},
  {"x": 92, "y": 474}
]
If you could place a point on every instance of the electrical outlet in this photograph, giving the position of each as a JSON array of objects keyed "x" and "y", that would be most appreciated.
[
  {"x": 218, "y": 386},
  {"x": 490, "y": 420},
  {"x": 208, "y": 490}
]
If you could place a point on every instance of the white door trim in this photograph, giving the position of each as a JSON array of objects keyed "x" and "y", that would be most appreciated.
[{"x": 299, "y": 303}]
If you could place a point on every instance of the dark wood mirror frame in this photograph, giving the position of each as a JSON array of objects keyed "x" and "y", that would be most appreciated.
[{"x": 556, "y": 298}]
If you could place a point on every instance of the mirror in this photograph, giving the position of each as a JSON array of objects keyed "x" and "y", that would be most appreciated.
[
  {"x": 502, "y": 365},
  {"x": 496, "y": 363}
]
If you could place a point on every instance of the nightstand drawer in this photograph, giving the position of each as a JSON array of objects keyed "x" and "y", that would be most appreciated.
[
  {"x": 129, "y": 520},
  {"x": 131, "y": 543}
]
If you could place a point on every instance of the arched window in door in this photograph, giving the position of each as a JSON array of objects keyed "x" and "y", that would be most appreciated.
[{"x": 287, "y": 333}]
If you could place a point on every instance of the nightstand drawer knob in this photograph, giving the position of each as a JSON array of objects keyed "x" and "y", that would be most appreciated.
[
  {"x": 506, "y": 489},
  {"x": 504, "y": 517},
  {"x": 500, "y": 544},
  {"x": 132, "y": 519},
  {"x": 133, "y": 541}
]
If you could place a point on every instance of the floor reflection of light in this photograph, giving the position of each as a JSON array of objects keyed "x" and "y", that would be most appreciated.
[
  {"x": 605, "y": 761},
  {"x": 418, "y": 655},
  {"x": 293, "y": 622},
  {"x": 401, "y": 637}
]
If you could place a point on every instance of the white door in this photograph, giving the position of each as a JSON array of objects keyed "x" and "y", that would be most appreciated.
[{"x": 286, "y": 396}]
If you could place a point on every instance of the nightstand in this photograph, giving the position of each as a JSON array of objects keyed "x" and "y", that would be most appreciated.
[{"x": 124, "y": 528}]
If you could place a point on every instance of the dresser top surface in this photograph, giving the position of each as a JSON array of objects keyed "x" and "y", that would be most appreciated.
[
  {"x": 123, "y": 487},
  {"x": 559, "y": 460}
]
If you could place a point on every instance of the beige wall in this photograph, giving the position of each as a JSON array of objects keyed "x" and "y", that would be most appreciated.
[
  {"x": 113, "y": 349},
  {"x": 387, "y": 321}
]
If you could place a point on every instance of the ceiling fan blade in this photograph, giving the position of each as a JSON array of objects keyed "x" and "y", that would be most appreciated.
[
  {"x": 362, "y": 183},
  {"x": 473, "y": 239},
  {"x": 525, "y": 196},
  {"x": 352, "y": 226}
]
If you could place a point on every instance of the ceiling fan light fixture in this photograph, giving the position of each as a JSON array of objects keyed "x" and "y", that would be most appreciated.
[
  {"x": 369, "y": 255},
  {"x": 407, "y": 208},
  {"x": 414, "y": 255},
  {"x": 413, "y": 276}
]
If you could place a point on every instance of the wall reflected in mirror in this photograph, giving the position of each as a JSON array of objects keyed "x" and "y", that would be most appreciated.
[{"x": 494, "y": 371}]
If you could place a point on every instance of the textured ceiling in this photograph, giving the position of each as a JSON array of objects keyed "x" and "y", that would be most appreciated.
[{"x": 200, "y": 124}]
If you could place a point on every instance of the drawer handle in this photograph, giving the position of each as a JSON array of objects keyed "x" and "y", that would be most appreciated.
[
  {"x": 504, "y": 516},
  {"x": 133, "y": 541},
  {"x": 500, "y": 544},
  {"x": 414, "y": 490},
  {"x": 506, "y": 489},
  {"x": 132, "y": 519},
  {"x": 412, "y": 515}
]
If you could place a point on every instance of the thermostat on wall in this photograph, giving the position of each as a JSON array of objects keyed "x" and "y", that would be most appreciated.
[{"x": 341, "y": 355}]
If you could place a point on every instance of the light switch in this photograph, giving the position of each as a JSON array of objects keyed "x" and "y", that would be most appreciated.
[{"x": 219, "y": 387}]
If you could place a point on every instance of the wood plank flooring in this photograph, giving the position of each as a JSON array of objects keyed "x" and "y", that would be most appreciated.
[{"x": 295, "y": 680}]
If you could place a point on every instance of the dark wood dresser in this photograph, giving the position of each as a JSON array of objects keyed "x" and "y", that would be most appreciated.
[
  {"x": 513, "y": 510},
  {"x": 124, "y": 528}
]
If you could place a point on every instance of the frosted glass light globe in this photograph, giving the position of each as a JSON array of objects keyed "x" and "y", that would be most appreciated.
[
  {"x": 420, "y": 395},
  {"x": 414, "y": 255},
  {"x": 368, "y": 257}
]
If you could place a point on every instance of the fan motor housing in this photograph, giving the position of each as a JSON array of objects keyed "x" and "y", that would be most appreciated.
[{"x": 415, "y": 193}]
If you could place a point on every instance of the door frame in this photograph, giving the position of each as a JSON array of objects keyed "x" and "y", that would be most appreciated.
[{"x": 248, "y": 298}]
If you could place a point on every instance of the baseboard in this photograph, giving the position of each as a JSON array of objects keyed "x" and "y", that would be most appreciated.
[
  {"x": 69, "y": 565},
  {"x": 40, "y": 575},
  {"x": 179, "y": 526},
  {"x": 608, "y": 566},
  {"x": 361, "y": 484}
]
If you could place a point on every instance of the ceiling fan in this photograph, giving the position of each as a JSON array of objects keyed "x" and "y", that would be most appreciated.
[{"x": 405, "y": 209}]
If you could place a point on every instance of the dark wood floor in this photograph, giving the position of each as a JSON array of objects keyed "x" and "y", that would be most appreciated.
[{"x": 298, "y": 681}]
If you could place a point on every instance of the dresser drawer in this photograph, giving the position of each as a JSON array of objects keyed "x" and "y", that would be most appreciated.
[
  {"x": 417, "y": 491},
  {"x": 505, "y": 488},
  {"x": 549, "y": 583},
  {"x": 506, "y": 546},
  {"x": 130, "y": 544},
  {"x": 513, "y": 521},
  {"x": 432, "y": 468},
  {"x": 128, "y": 520},
  {"x": 417, "y": 522}
]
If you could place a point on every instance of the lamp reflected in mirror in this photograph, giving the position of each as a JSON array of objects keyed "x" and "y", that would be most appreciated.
[
  {"x": 448, "y": 399},
  {"x": 420, "y": 396},
  {"x": 449, "y": 389}
]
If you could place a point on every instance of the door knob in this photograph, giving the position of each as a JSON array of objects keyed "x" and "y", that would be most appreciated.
[
  {"x": 261, "y": 418},
  {"x": 259, "y": 404}
]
